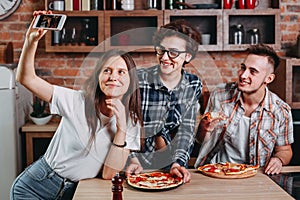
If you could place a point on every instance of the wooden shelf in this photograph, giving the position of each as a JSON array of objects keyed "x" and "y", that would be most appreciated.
[
  {"x": 75, "y": 20},
  {"x": 206, "y": 21},
  {"x": 287, "y": 82},
  {"x": 265, "y": 20},
  {"x": 133, "y": 30}
]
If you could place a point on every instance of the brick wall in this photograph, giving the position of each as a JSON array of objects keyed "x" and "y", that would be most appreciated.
[{"x": 65, "y": 69}]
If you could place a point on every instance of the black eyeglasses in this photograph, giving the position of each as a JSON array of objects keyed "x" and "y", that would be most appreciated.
[{"x": 171, "y": 53}]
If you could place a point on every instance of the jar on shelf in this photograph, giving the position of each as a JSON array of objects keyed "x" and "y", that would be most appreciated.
[
  {"x": 127, "y": 4},
  {"x": 253, "y": 36},
  {"x": 152, "y": 4},
  {"x": 56, "y": 35},
  {"x": 237, "y": 34}
]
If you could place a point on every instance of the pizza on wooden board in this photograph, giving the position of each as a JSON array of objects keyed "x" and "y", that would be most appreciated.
[
  {"x": 228, "y": 170},
  {"x": 154, "y": 181}
]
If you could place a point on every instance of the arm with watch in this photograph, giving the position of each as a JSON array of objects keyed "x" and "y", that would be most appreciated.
[{"x": 118, "y": 153}]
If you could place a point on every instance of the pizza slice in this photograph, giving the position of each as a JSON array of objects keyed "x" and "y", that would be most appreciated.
[{"x": 213, "y": 116}]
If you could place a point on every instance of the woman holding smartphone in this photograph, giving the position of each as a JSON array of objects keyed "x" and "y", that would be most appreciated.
[{"x": 99, "y": 125}]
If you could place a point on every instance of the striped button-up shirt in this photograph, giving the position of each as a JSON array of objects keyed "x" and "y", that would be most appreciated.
[{"x": 270, "y": 124}]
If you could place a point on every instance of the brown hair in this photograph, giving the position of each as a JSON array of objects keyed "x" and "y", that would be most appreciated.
[
  {"x": 265, "y": 50},
  {"x": 182, "y": 29},
  {"x": 94, "y": 96}
]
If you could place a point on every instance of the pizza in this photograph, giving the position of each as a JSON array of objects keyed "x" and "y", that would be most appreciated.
[
  {"x": 228, "y": 170},
  {"x": 213, "y": 115},
  {"x": 154, "y": 181}
]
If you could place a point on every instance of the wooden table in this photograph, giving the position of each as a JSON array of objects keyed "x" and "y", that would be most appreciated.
[
  {"x": 36, "y": 131},
  {"x": 201, "y": 187}
]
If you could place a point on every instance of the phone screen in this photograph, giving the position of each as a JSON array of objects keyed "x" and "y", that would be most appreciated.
[{"x": 49, "y": 21}]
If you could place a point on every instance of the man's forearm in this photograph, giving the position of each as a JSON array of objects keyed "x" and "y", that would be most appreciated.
[{"x": 284, "y": 153}]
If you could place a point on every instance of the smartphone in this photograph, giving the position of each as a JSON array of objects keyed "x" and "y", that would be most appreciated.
[{"x": 54, "y": 22}]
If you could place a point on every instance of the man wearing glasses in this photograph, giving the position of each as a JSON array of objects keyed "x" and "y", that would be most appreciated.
[{"x": 169, "y": 102}]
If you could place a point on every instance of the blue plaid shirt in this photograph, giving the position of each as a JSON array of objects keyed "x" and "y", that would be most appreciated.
[{"x": 170, "y": 114}]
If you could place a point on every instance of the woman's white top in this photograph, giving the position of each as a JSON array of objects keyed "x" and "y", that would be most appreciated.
[{"x": 68, "y": 153}]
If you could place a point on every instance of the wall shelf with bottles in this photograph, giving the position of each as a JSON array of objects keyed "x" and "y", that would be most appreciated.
[
  {"x": 206, "y": 21},
  {"x": 109, "y": 24},
  {"x": 287, "y": 82},
  {"x": 82, "y": 32},
  {"x": 264, "y": 20}
]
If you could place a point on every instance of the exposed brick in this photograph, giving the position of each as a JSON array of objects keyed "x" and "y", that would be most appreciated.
[
  {"x": 293, "y": 8},
  {"x": 65, "y": 72}
]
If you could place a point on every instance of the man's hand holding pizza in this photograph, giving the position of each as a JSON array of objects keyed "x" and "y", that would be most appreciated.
[{"x": 207, "y": 124}]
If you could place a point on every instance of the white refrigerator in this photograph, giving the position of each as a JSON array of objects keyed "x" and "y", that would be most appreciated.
[
  {"x": 15, "y": 106},
  {"x": 8, "y": 133}
]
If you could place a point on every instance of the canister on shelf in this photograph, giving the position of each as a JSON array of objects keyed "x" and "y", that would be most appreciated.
[
  {"x": 253, "y": 36},
  {"x": 152, "y": 4},
  {"x": 237, "y": 34}
]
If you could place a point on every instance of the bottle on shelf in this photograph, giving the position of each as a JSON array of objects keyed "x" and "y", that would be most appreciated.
[
  {"x": 152, "y": 4},
  {"x": 63, "y": 39},
  {"x": 171, "y": 4},
  {"x": 94, "y": 5},
  {"x": 298, "y": 45},
  {"x": 73, "y": 40},
  {"x": 117, "y": 187}
]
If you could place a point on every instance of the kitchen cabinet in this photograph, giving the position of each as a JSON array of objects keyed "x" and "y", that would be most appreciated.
[
  {"x": 207, "y": 21},
  {"x": 74, "y": 41},
  {"x": 133, "y": 30},
  {"x": 37, "y": 139},
  {"x": 114, "y": 28},
  {"x": 287, "y": 82},
  {"x": 265, "y": 20}
]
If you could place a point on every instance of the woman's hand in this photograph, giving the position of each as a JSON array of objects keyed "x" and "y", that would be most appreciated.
[
  {"x": 118, "y": 109},
  {"x": 32, "y": 34}
]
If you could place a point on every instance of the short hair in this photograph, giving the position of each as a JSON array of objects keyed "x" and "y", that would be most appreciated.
[
  {"x": 180, "y": 28},
  {"x": 265, "y": 50}
]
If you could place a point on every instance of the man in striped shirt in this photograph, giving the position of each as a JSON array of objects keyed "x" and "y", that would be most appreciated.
[{"x": 256, "y": 125}]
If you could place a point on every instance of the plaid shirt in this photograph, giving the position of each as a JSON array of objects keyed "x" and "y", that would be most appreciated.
[
  {"x": 270, "y": 124},
  {"x": 170, "y": 114}
]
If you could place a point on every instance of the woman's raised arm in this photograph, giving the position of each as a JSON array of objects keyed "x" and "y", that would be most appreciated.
[{"x": 25, "y": 71}]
